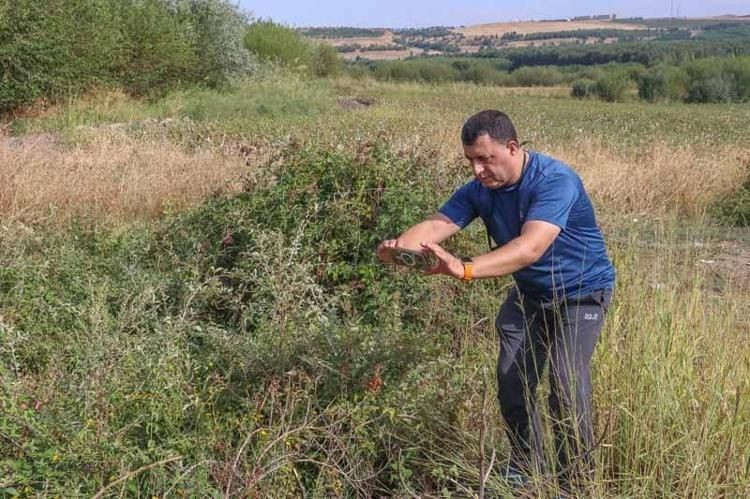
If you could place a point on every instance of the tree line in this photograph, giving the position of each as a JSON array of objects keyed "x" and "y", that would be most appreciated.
[{"x": 646, "y": 53}]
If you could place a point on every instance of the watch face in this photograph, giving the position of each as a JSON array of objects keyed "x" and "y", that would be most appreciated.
[
  {"x": 411, "y": 259},
  {"x": 407, "y": 259}
]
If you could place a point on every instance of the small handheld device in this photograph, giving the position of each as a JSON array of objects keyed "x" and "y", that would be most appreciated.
[{"x": 412, "y": 259}]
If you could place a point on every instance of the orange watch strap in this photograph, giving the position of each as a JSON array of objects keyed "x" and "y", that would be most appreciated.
[{"x": 468, "y": 270}]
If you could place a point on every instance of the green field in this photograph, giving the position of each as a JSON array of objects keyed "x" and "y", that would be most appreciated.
[{"x": 190, "y": 303}]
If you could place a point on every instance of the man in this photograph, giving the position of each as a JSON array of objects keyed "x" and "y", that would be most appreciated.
[{"x": 536, "y": 209}]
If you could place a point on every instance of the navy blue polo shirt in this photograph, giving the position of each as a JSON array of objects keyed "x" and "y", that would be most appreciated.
[{"x": 576, "y": 263}]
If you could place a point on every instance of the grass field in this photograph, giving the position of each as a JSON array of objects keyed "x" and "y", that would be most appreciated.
[{"x": 190, "y": 303}]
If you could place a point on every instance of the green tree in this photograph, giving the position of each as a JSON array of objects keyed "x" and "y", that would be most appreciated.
[
  {"x": 326, "y": 60},
  {"x": 59, "y": 47},
  {"x": 583, "y": 88},
  {"x": 611, "y": 87},
  {"x": 277, "y": 43}
]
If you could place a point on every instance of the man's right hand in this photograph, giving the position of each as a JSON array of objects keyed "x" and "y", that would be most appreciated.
[
  {"x": 384, "y": 250},
  {"x": 434, "y": 229}
]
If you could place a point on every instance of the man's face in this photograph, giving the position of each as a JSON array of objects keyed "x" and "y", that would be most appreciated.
[{"x": 492, "y": 162}]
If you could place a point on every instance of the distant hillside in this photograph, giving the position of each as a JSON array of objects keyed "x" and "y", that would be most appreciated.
[
  {"x": 389, "y": 44},
  {"x": 529, "y": 27}
]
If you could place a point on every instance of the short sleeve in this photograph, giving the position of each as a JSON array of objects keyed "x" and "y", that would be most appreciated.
[
  {"x": 553, "y": 200},
  {"x": 461, "y": 208}
]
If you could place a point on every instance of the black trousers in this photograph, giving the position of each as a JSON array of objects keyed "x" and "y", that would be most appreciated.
[{"x": 531, "y": 332}]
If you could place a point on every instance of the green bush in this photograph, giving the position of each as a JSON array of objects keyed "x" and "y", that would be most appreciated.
[
  {"x": 667, "y": 83},
  {"x": 277, "y": 43},
  {"x": 633, "y": 70},
  {"x": 583, "y": 88},
  {"x": 735, "y": 210},
  {"x": 51, "y": 49},
  {"x": 719, "y": 80},
  {"x": 48, "y": 50},
  {"x": 718, "y": 88},
  {"x": 396, "y": 71},
  {"x": 652, "y": 85},
  {"x": 282, "y": 45},
  {"x": 423, "y": 70},
  {"x": 739, "y": 70},
  {"x": 611, "y": 87},
  {"x": 536, "y": 76},
  {"x": 434, "y": 72},
  {"x": 705, "y": 80},
  {"x": 326, "y": 60},
  {"x": 156, "y": 48},
  {"x": 169, "y": 338},
  {"x": 219, "y": 30},
  {"x": 282, "y": 93},
  {"x": 485, "y": 75}
]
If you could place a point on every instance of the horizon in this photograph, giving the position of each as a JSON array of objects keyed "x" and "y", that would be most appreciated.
[{"x": 421, "y": 13}]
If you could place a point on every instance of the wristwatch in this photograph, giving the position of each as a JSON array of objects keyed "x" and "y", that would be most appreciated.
[{"x": 468, "y": 269}]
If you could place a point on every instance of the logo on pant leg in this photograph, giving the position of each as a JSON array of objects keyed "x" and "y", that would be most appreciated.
[{"x": 591, "y": 317}]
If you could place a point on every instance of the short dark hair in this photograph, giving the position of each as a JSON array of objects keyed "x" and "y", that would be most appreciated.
[{"x": 496, "y": 124}]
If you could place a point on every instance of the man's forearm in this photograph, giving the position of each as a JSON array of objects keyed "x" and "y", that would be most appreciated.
[
  {"x": 434, "y": 229},
  {"x": 536, "y": 237},
  {"x": 413, "y": 236},
  {"x": 505, "y": 260}
]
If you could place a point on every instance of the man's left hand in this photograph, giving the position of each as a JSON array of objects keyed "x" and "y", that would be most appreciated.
[{"x": 446, "y": 263}]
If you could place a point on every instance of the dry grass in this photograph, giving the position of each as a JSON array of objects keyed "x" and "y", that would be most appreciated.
[
  {"x": 656, "y": 180},
  {"x": 659, "y": 179},
  {"x": 119, "y": 178},
  {"x": 527, "y": 27},
  {"x": 364, "y": 41},
  {"x": 382, "y": 55},
  {"x": 111, "y": 177}
]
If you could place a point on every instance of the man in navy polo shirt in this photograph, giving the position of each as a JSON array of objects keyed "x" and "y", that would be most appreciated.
[{"x": 536, "y": 210}]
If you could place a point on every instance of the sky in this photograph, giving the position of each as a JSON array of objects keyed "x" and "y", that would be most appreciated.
[{"x": 421, "y": 13}]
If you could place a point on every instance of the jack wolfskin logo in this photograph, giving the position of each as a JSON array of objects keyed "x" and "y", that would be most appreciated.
[{"x": 590, "y": 317}]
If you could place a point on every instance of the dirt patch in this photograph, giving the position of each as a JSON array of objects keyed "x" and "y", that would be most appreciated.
[
  {"x": 385, "y": 39},
  {"x": 383, "y": 55},
  {"x": 734, "y": 262},
  {"x": 37, "y": 141},
  {"x": 731, "y": 266},
  {"x": 355, "y": 102}
]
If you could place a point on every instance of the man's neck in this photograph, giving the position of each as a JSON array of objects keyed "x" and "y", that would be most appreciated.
[{"x": 521, "y": 166}]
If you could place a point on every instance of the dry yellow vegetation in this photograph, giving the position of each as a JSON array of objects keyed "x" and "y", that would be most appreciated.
[
  {"x": 365, "y": 41},
  {"x": 527, "y": 27},
  {"x": 112, "y": 176}
]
